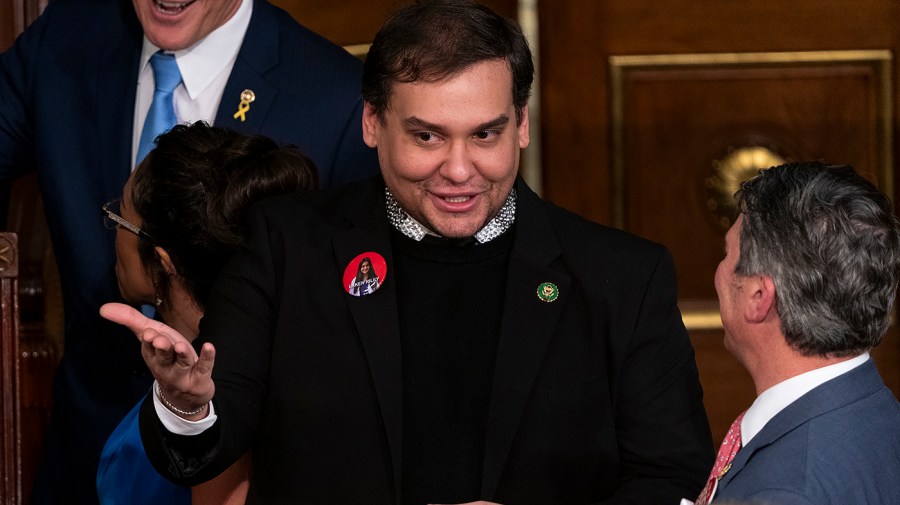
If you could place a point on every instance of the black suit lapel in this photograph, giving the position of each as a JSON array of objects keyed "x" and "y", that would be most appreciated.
[
  {"x": 528, "y": 326},
  {"x": 375, "y": 315}
]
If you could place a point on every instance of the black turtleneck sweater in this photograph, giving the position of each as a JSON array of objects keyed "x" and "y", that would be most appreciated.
[{"x": 450, "y": 302}]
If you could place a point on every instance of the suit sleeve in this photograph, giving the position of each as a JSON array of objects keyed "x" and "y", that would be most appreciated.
[
  {"x": 239, "y": 321},
  {"x": 663, "y": 433}
]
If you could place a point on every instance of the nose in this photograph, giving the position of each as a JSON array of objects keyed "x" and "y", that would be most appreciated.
[{"x": 459, "y": 166}]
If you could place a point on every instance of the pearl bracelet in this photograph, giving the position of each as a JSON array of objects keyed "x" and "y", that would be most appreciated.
[{"x": 184, "y": 413}]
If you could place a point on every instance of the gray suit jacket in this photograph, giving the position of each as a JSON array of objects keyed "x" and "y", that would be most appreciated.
[{"x": 838, "y": 444}]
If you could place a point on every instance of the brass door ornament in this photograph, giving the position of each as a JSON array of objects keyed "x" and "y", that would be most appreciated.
[{"x": 736, "y": 167}]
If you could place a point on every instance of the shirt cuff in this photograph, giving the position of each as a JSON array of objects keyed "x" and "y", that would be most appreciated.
[{"x": 178, "y": 425}]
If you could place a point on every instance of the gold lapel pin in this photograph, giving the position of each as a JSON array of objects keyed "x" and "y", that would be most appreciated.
[
  {"x": 547, "y": 292},
  {"x": 247, "y": 97}
]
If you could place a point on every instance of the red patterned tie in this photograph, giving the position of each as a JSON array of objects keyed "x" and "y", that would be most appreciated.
[{"x": 730, "y": 446}]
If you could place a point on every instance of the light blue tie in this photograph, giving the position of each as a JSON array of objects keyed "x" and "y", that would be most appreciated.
[{"x": 161, "y": 116}]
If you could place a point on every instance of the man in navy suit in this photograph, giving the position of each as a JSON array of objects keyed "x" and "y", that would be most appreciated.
[
  {"x": 806, "y": 289},
  {"x": 75, "y": 90}
]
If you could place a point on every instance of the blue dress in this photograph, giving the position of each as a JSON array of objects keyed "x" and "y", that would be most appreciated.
[{"x": 125, "y": 475}]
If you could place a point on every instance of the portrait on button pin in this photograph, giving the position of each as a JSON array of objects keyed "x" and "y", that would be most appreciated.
[{"x": 365, "y": 274}]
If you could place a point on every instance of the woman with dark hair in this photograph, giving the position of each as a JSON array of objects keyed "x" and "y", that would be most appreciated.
[
  {"x": 366, "y": 280},
  {"x": 180, "y": 218}
]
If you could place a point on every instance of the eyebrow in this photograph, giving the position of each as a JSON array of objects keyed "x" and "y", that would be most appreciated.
[{"x": 414, "y": 123}]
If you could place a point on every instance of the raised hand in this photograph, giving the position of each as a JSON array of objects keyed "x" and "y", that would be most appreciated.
[{"x": 184, "y": 378}]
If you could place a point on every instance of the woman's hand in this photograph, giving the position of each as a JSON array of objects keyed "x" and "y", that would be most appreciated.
[{"x": 184, "y": 378}]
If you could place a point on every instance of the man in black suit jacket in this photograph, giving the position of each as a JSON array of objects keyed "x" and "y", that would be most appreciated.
[
  {"x": 69, "y": 112},
  {"x": 511, "y": 352}
]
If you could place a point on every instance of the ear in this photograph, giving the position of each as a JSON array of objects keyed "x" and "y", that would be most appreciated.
[
  {"x": 370, "y": 124},
  {"x": 524, "y": 134},
  {"x": 760, "y": 290},
  {"x": 165, "y": 260}
]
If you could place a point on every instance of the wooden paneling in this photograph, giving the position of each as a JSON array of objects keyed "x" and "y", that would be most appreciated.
[
  {"x": 7, "y": 24},
  {"x": 346, "y": 23},
  {"x": 15, "y": 15},
  {"x": 351, "y": 22},
  {"x": 578, "y": 37}
]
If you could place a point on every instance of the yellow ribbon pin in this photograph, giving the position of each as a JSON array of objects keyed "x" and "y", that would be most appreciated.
[{"x": 247, "y": 96}]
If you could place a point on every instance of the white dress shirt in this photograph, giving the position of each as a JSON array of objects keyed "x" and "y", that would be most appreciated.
[
  {"x": 205, "y": 68},
  {"x": 778, "y": 397}
]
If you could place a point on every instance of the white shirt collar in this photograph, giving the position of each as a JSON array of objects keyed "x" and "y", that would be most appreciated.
[
  {"x": 778, "y": 397},
  {"x": 202, "y": 62}
]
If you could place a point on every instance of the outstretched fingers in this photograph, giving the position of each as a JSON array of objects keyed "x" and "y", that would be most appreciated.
[
  {"x": 206, "y": 361},
  {"x": 166, "y": 349}
]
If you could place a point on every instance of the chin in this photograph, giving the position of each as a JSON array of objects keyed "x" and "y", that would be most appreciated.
[
  {"x": 171, "y": 44},
  {"x": 457, "y": 233},
  {"x": 458, "y": 228},
  {"x": 170, "y": 38}
]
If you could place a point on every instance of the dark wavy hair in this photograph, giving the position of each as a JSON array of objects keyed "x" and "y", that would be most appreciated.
[
  {"x": 831, "y": 243},
  {"x": 193, "y": 190},
  {"x": 432, "y": 40}
]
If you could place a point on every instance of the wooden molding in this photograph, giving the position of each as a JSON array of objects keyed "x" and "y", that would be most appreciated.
[{"x": 10, "y": 420}]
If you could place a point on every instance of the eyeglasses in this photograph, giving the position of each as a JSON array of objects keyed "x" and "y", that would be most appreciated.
[{"x": 112, "y": 219}]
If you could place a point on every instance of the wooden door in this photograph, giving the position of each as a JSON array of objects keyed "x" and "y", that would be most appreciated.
[{"x": 652, "y": 111}]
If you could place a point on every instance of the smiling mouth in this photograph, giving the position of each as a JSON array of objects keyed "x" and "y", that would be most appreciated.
[
  {"x": 457, "y": 199},
  {"x": 172, "y": 7}
]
